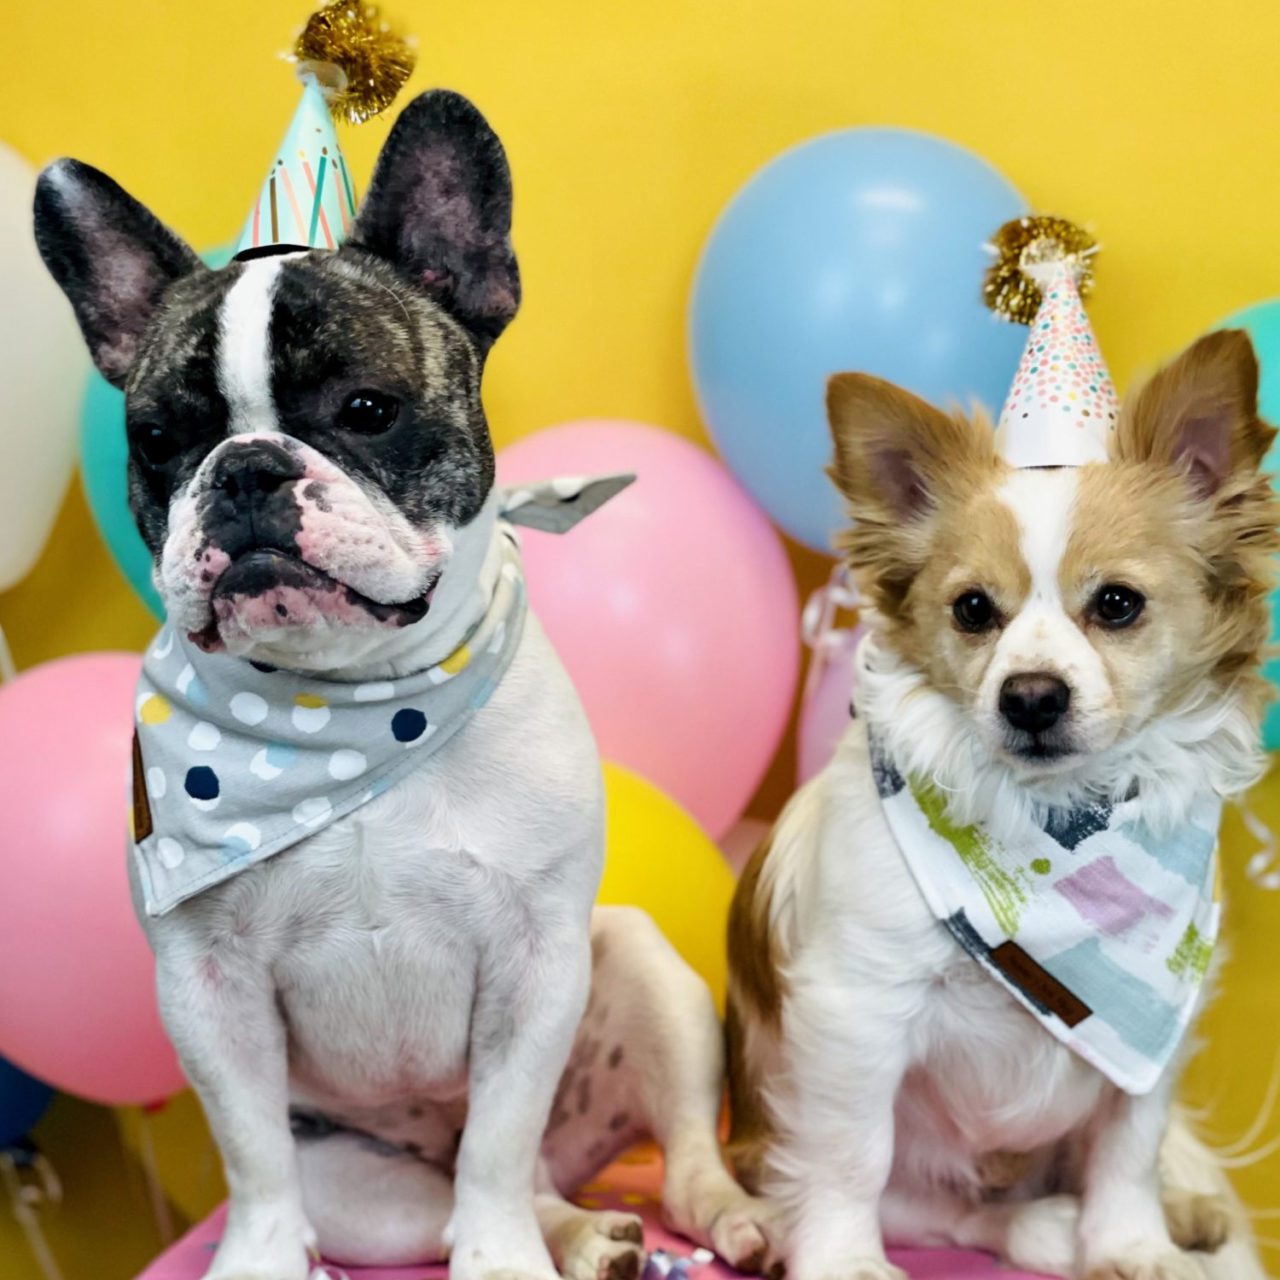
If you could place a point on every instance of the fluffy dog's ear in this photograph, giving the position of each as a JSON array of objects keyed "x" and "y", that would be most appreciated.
[
  {"x": 893, "y": 451},
  {"x": 439, "y": 209},
  {"x": 896, "y": 459},
  {"x": 1200, "y": 414},
  {"x": 111, "y": 256}
]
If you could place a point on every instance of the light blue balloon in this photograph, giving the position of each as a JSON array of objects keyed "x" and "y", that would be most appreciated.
[
  {"x": 104, "y": 453},
  {"x": 863, "y": 250},
  {"x": 1262, "y": 323}
]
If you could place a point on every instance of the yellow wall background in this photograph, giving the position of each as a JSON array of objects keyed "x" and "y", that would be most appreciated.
[{"x": 629, "y": 127}]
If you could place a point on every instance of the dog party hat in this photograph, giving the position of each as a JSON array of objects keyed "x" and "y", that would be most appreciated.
[
  {"x": 1061, "y": 409},
  {"x": 351, "y": 65}
]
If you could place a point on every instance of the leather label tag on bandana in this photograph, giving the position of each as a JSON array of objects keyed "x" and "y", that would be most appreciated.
[
  {"x": 1039, "y": 983},
  {"x": 142, "y": 824}
]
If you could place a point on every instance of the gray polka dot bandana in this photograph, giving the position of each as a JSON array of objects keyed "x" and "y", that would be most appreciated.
[{"x": 234, "y": 762}]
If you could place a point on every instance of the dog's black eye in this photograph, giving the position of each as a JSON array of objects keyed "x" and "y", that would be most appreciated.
[
  {"x": 1116, "y": 606},
  {"x": 155, "y": 445},
  {"x": 368, "y": 413},
  {"x": 974, "y": 611}
]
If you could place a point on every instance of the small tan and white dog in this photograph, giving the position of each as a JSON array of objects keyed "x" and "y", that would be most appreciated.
[{"x": 1042, "y": 638}]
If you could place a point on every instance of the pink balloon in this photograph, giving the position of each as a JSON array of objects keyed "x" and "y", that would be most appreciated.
[
  {"x": 674, "y": 609},
  {"x": 825, "y": 715},
  {"x": 77, "y": 982}
]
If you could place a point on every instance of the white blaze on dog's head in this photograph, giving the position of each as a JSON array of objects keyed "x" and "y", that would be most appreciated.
[{"x": 1057, "y": 617}]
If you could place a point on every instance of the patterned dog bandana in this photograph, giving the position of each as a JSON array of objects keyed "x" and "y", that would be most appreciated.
[
  {"x": 234, "y": 761},
  {"x": 1100, "y": 928}
]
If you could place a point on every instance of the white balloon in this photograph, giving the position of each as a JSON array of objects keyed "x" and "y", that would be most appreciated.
[{"x": 43, "y": 368}]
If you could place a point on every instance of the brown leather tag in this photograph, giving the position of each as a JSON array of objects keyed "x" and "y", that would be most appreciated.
[
  {"x": 1039, "y": 983},
  {"x": 142, "y": 825}
]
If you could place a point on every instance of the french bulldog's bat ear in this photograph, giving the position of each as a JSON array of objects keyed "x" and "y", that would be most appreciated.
[
  {"x": 439, "y": 208},
  {"x": 112, "y": 257}
]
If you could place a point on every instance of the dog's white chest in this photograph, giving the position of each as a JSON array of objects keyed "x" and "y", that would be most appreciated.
[
  {"x": 990, "y": 1073},
  {"x": 377, "y": 978}
]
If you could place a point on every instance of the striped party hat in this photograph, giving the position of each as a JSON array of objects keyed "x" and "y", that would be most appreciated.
[
  {"x": 307, "y": 201},
  {"x": 1062, "y": 407},
  {"x": 351, "y": 65}
]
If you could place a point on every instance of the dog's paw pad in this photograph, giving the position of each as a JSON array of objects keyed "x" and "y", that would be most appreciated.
[{"x": 1198, "y": 1222}]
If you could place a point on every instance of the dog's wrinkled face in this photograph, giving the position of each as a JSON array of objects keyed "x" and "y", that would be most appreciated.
[
  {"x": 1065, "y": 609},
  {"x": 306, "y": 435}
]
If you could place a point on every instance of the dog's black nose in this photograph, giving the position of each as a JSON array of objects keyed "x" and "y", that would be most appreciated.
[
  {"x": 258, "y": 466},
  {"x": 1033, "y": 701}
]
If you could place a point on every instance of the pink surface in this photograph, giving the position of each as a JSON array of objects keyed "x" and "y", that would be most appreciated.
[{"x": 630, "y": 1184}]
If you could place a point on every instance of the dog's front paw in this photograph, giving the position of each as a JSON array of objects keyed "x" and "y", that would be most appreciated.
[
  {"x": 281, "y": 1261},
  {"x": 264, "y": 1242},
  {"x": 498, "y": 1254},
  {"x": 744, "y": 1230},
  {"x": 1159, "y": 1262},
  {"x": 1198, "y": 1222}
]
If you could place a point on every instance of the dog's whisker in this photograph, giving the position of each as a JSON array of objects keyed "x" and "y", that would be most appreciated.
[
  {"x": 1263, "y": 1117},
  {"x": 1246, "y": 1160}
]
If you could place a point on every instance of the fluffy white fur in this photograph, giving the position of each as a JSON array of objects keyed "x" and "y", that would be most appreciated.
[{"x": 1210, "y": 740}]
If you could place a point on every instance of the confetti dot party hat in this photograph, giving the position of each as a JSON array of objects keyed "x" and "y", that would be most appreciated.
[
  {"x": 351, "y": 65},
  {"x": 1061, "y": 409}
]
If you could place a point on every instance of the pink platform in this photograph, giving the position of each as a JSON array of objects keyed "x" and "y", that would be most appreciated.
[{"x": 630, "y": 1184}]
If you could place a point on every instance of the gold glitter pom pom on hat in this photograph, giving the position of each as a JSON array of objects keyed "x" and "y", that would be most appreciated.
[
  {"x": 358, "y": 60},
  {"x": 1010, "y": 288}
]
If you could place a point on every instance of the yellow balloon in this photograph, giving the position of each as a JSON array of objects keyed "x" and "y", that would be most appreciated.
[{"x": 658, "y": 858}]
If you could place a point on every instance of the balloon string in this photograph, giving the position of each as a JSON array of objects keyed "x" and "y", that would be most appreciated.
[
  {"x": 151, "y": 1172},
  {"x": 817, "y": 622},
  {"x": 1264, "y": 867},
  {"x": 7, "y": 669},
  {"x": 27, "y": 1198}
]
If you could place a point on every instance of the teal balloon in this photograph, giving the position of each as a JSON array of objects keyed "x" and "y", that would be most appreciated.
[
  {"x": 1262, "y": 323},
  {"x": 104, "y": 454}
]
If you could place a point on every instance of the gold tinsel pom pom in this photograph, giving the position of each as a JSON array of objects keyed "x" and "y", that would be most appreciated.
[
  {"x": 360, "y": 62},
  {"x": 1008, "y": 289}
]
